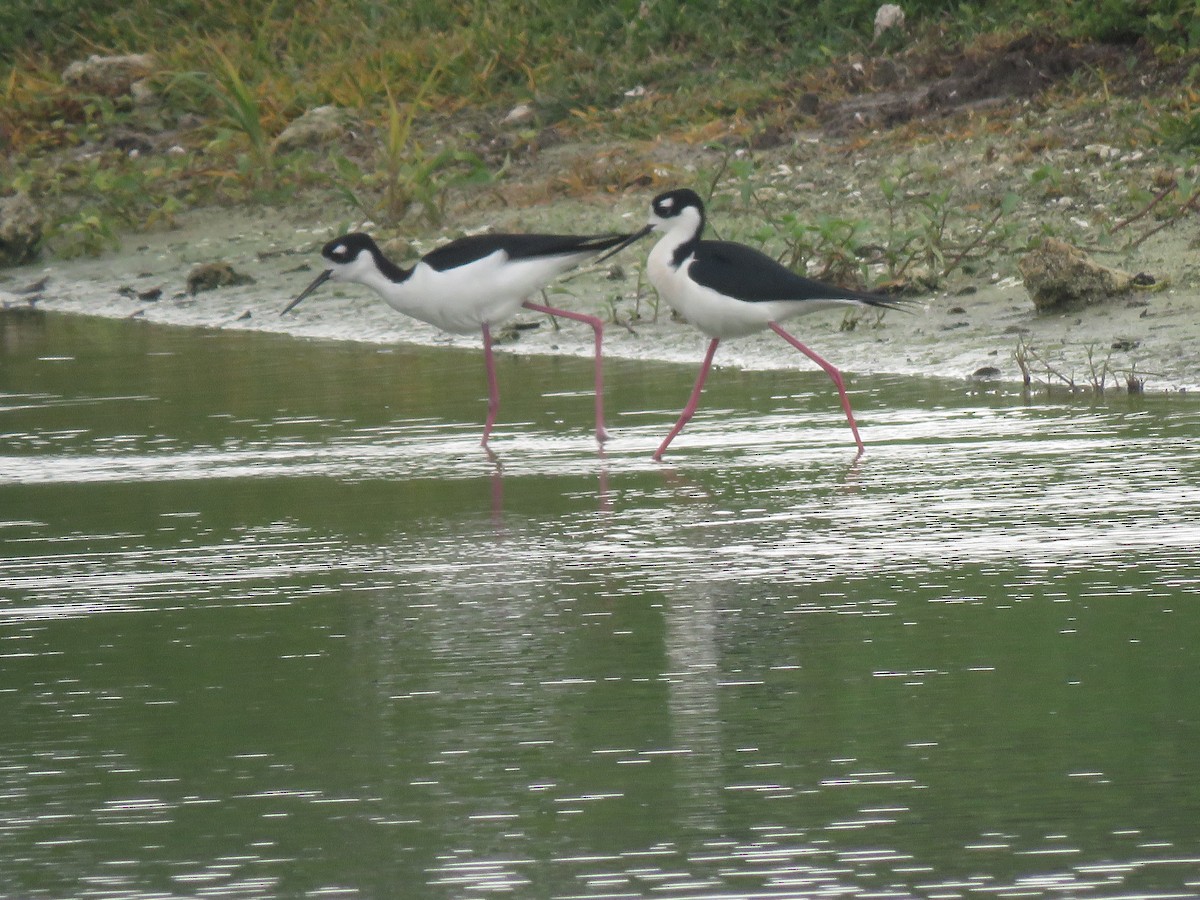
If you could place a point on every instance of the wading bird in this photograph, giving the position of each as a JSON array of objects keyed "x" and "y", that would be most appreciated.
[
  {"x": 472, "y": 284},
  {"x": 729, "y": 290}
]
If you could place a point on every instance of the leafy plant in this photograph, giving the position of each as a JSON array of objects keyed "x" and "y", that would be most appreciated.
[
  {"x": 1180, "y": 131},
  {"x": 408, "y": 175},
  {"x": 1179, "y": 197},
  {"x": 926, "y": 228},
  {"x": 240, "y": 108},
  {"x": 86, "y": 234}
]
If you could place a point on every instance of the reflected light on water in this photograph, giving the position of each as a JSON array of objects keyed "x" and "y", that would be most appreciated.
[{"x": 300, "y": 647}]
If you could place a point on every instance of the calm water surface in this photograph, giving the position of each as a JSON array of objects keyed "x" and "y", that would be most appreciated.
[{"x": 272, "y": 625}]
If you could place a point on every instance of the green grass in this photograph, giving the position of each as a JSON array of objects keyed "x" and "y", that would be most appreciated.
[{"x": 415, "y": 72}]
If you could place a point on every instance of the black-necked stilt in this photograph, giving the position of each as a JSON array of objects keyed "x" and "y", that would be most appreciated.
[
  {"x": 729, "y": 290},
  {"x": 472, "y": 284}
]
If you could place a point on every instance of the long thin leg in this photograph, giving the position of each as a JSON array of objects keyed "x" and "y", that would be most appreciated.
[
  {"x": 489, "y": 362},
  {"x": 832, "y": 372},
  {"x": 692, "y": 401},
  {"x": 598, "y": 330}
]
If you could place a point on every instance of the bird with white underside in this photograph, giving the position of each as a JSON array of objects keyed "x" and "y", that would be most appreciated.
[
  {"x": 729, "y": 290},
  {"x": 473, "y": 284}
]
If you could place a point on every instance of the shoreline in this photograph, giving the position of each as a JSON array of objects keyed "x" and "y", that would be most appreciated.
[{"x": 964, "y": 334}]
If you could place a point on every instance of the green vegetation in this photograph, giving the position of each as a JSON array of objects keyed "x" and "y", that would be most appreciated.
[{"x": 429, "y": 81}]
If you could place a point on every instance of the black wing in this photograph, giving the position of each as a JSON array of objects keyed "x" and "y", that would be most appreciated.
[
  {"x": 736, "y": 270},
  {"x": 517, "y": 246}
]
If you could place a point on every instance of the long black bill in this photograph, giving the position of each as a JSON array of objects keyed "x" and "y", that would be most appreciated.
[
  {"x": 632, "y": 239},
  {"x": 317, "y": 282}
]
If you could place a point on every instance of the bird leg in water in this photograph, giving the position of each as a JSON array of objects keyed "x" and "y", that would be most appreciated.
[
  {"x": 692, "y": 401},
  {"x": 598, "y": 330},
  {"x": 832, "y": 372},
  {"x": 489, "y": 362}
]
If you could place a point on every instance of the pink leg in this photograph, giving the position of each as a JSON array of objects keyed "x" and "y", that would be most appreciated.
[
  {"x": 493, "y": 389},
  {"x": 692, "y": 401},
  {"x": 832, "y": 373},
  {"x": 598, "y": 329}
]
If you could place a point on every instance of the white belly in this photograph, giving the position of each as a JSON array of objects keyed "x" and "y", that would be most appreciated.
[
  {"x": 462, "y": 300},
  {"x": 712, "y": 313}
]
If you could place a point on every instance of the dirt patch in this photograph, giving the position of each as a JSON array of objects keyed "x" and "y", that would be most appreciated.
[{"x": 1022, "y": 69}]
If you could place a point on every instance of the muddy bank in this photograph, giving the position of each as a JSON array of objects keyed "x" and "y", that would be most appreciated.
[
  {"x": 985, "y": 330},
  {"x": 922, "y": 167}
]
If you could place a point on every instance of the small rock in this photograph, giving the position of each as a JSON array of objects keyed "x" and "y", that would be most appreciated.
[
  {"x": 112, "y": 76},
  {"x": 985, "y": 372},
  {"x": 1058, "y": 275},
  {"x": 887, "y": 17},
  {"x": 35, "y": 287},
  {"x": 319, "y": 125},
  {"x": 518, "y": 115},
  {"x": 20, "y": 230},
  {"x": 210, "y": 276},
  {"x": 133, "y": 293},
  {"x": 1101, "y": 152},
  {"x": 1124, "y": 345}
]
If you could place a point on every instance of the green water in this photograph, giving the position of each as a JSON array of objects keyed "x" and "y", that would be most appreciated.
[{"x": 272, "y": 625}]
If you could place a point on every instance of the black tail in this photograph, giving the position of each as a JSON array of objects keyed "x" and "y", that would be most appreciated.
[
  {"x": 882, "y": 301},
  {"x": 526, "y": 245}
]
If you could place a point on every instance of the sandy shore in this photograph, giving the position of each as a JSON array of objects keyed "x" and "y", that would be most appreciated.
[{"x": 950, "y": 334}]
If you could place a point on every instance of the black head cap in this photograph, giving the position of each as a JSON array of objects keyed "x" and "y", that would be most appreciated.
[
  {"x": 346, "y": 248},
  {"x": 672, "y": 203}
]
